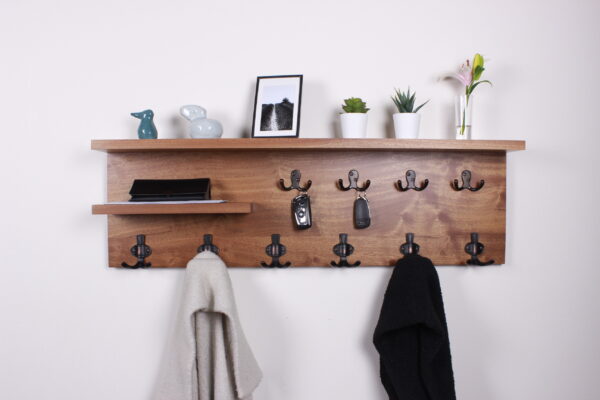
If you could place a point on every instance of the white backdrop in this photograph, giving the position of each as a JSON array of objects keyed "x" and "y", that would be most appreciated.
[{"x": 71, "y": 71}]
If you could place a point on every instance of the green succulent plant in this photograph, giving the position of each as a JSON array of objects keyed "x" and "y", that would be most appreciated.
[
  {"x": 405, "y": 102},
  {"x": 355, "y": 105}
]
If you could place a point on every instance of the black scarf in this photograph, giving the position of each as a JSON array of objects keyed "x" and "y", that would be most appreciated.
[{"x": 411, "y": 335}]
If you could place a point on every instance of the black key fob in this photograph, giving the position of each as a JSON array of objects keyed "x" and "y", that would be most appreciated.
[
  {"x": 301, "y": 211},
  {"x": 362, "y": 214}
]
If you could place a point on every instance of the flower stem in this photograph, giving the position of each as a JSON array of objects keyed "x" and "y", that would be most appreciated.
[{"x": 464, "y": 114}]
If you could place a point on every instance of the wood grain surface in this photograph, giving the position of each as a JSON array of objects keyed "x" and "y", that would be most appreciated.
[
  {"x": 440, "y": 217},
  {"x": 133, "y": 208},
  {"x": 284, "y": 144}
]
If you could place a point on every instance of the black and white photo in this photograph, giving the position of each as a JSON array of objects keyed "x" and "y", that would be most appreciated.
[{"x": 277, "y": 106}]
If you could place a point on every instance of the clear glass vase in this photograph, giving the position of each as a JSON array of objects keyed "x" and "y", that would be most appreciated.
[{"x": 463, "y": 111}]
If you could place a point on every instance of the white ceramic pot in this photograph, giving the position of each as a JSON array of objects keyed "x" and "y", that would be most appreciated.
[
  {"x": 406, "y": 125},
  {"x": 354, "y": 125}
]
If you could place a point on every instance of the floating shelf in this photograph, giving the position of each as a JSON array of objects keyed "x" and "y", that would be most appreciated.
[
  {"x": 250, "y": 169},
  {"x": 195, "y": 208},
  {"x": 283, "y": 144}
]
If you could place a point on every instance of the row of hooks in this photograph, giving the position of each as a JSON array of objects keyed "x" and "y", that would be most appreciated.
[
  {"x": 411, "y": 177},
  {"x": 276, "y": 250}
]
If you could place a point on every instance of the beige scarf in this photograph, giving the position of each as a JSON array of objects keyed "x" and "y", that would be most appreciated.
[{"x": 208, "y": 357}]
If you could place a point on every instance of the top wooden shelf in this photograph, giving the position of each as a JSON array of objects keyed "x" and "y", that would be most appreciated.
[{"x": 283, "y": 144}]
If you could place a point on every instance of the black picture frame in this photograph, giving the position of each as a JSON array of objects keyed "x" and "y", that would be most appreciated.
[{"x": 274, "y": 127}]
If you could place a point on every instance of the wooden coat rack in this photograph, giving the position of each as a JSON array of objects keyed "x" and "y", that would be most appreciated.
[{"x": 247, "y": 172}]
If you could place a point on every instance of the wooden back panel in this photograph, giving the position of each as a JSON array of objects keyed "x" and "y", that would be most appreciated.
[{"x": 440, "y": 217}]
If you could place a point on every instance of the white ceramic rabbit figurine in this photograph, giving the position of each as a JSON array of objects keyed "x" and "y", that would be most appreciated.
[{"x": 200, "y": 126}]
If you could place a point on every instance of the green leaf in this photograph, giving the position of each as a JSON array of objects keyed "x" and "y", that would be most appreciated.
[
  {"x": 411, "y": 103},
  {"x": 405, "y": 101},
  {"x": 355, "y": 105},
  {"x": 474, "y": 85},
  {"x": 477, "y": 71},
  {"x": 418, "y": 108}
]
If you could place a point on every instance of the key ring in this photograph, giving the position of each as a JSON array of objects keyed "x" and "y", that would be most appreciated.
[{"x": 361, "y": 195}]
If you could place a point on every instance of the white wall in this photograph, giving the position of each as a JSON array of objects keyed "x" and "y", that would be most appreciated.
[{"x": 71, "y": 71}]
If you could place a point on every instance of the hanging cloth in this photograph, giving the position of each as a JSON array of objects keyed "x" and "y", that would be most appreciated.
[
  {"x": 411, "y": 335},
  {"x": 208, "y": 357}
]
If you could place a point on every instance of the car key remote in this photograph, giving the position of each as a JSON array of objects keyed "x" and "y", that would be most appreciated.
[
  {"x": 362, "y": 214},
  {"x": 301, "y": 211}
]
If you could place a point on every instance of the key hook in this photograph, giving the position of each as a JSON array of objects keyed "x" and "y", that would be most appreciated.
[
  {"x": 275, "y": 250},
  {"x": 343, "y": 249},
  {"x": 410, "y": 247},
  {"x": 410, "y": 179},
  {"x": 466, "y": 182},
  {"x": 474, "y": 249},
  {"x": 353, "y": 178},
  {"x": 295, "y": 178},
  {"x": 208, "y": 245},
  {"x": 140, "y": 250}
]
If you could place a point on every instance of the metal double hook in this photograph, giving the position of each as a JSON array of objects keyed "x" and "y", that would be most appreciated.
[
  {"x": 208, "y": 245},
  {"x": 411, "y": 176},
  {"x": 410, "y": 247},
  {"x": 275, "y": 250},
  {"x": 295, "y": 178},
  {"x": 353, "y": 178},
  {"x": 466, "y": 182},
  {"x": 344, "y": 249},
  {"x": 474, "y": 249},
  {"x": 140, "y": 250}
]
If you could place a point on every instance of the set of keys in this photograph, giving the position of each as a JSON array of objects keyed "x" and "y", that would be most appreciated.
[{"x": 301, "y": 211}]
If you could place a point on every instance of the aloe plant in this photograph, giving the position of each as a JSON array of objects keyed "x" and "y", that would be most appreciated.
[
  {"x": 355, "y": 105},
  {"x": 405, "y": 102}
]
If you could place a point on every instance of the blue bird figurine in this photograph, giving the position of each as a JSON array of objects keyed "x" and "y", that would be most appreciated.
[{"x": 146, "y": 130}]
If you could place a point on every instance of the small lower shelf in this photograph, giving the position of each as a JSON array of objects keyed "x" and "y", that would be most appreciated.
[{"x": 145, "y": 209}]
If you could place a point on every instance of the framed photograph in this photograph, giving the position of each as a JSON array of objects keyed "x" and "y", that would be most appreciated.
[{"x": 277, "y": 106}]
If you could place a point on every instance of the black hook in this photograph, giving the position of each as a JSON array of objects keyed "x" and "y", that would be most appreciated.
[
  {"x": 295, "y": 178},
  {"x": 141, "y": 250},
  {"x": 353, "y": 178},
  {"x": 275, "y": 250},
  {"x": 410, "y": 179},
  {"x": 474, "y": 248},
  {"x": 208, "y": 245},
  {"x": 410, "y": 247},
  {"x": 343, "y": 249},
  {"x": 466, "y": 182}
]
